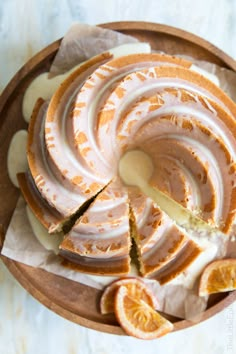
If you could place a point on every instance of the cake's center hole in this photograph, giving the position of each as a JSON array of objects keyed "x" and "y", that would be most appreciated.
[{"x": 136, "y": 168}]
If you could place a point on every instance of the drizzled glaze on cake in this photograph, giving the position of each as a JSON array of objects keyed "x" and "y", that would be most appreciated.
[{"x": 149, "y": 102}]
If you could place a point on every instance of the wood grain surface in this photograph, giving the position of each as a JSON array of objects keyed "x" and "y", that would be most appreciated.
[{"x": 72, "y": 300}]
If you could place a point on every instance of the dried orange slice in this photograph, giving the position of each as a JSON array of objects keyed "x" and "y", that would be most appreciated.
[
  {"x": 218, "y": 276},
  {"x": 136, "y": 288},
  {"x": 137, "y": 318}
]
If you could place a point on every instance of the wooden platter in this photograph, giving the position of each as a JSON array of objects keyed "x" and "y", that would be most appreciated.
[{"x": 74, "y": 301}]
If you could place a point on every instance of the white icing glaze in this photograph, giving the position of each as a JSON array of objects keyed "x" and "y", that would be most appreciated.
[
  {"x": 16, "y": 156},
  {"x": 49, "y": 241},
  {"x": 135, "y": 168},
  {"x": 42, "y": 87},
  {"x": 130, "y": 48}
]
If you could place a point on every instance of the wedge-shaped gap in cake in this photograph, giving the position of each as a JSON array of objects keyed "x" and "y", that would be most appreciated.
[
  {"x": 48, "y": 216},
  {"x": 99, "y": 242},
  {"x": 164, "y": 249},
  {"x": 134, "y": 254}
]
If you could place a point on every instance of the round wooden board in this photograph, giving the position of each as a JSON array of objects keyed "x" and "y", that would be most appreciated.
[{"x": 75, "y": 301}]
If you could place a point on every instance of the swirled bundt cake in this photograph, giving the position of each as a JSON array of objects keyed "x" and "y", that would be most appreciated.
[{"x": 106, "y": 107}]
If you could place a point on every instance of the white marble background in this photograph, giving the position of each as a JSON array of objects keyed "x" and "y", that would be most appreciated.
[{"x": 26, "y": 26}]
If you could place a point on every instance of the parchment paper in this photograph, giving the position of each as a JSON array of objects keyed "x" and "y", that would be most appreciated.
[
  {"x": 83, "y": 42},
  {"x": 179, "y": 297}
]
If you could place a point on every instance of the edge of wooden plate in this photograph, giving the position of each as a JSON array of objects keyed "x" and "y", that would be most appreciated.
[
  {"x": 50, "y": 51},
  {"x": 176, "y": 32}
]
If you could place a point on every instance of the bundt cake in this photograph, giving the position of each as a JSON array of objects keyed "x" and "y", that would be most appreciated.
[{"x": 149, "y": 102}]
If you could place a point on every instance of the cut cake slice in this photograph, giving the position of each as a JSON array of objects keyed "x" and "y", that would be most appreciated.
[
  {"x": 99, "y": 242},
  {"x": 164, "y": 250}
]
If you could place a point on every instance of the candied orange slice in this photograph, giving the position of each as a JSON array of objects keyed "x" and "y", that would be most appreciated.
[
  {"x": 218, "y": 276},
  {"x": 137, "y": 318},
  {"x": 136, "y": 288}
]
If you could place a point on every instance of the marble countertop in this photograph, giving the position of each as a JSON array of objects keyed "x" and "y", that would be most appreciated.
[{"x": 26, "y": 26}]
